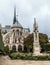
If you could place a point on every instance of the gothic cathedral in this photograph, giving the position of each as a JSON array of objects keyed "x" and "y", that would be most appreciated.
[{"x": 13, "y": 36}]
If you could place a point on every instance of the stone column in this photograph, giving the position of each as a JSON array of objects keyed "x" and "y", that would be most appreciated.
[
  {"x": 16, "y": 47},
  {"x": 10, "y": 42}
]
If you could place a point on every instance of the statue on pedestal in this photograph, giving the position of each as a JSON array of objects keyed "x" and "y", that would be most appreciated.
[{"x": 36, "y": 46}]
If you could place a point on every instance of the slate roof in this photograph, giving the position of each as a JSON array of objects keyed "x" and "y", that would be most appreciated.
[{"x": 17, "y": 24}]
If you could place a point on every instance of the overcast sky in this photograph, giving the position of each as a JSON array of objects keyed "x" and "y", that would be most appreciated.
[{"x": 27, "y": 10}]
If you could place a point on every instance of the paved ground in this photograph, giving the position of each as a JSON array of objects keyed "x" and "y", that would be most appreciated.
[{"x": 5, "y": 60}]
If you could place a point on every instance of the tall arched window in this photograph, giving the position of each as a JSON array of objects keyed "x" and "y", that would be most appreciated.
[
  {"x": 19, "y": 39},
  {"x": 17, "y": 32},
  {"x": 20, "y": 33}
]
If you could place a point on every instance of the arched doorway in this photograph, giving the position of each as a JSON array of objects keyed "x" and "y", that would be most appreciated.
[
  {"x": 25, "y": 48},
  {"x": 14, "y": 48},
  {"x": 19, "y": 48}
]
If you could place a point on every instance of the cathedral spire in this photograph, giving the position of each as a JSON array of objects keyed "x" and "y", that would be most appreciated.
[{"x": 14, "y": 21}]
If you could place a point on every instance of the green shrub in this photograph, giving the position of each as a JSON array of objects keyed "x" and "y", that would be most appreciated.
[
  {"x": 6, "y": 49},
  {"x": 1, "y": 43},
  {"x": 28, "y": 57}
]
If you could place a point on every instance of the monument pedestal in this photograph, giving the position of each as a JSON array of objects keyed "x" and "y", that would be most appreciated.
[{"x": 36, "y": 48}]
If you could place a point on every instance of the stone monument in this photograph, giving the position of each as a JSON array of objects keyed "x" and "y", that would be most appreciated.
[{"x": 36, "y": 46}]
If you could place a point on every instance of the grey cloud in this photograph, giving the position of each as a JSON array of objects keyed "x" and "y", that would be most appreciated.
[{"x": 27, "y": 10}]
